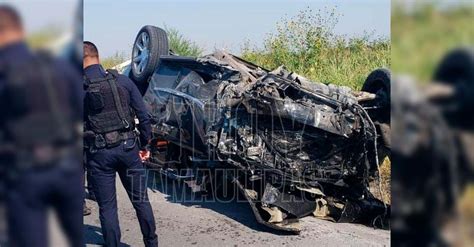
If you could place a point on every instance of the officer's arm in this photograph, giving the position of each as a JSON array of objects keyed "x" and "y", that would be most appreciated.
[
  {"x": 78, "y": 93},
  {"x": 75, "y": 92},
  {"x": 138, "y": 106}
]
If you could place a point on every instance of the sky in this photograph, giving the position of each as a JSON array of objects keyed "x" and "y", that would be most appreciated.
[
  {"x": 212, "y": 24},
  {"x": 220, "y": 24}
]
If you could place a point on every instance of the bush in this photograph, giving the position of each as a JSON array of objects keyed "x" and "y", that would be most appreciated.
[
  {"x": 181, "y": 45},
  {"x": 307, "y": 45}
]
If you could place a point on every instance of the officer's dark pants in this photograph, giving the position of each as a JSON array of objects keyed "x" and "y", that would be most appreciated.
[
  {"x": 32, "y": 192},
  {"x": 103, "y": 166}
]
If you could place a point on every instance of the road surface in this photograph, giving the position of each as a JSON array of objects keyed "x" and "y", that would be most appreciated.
[{"x": 211, "y": 223}]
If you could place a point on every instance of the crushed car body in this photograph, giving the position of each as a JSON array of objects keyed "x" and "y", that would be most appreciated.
[{"x": 295, "y": 147}]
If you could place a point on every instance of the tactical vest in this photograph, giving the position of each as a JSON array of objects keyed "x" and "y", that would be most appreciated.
[
  {"x": 107, "y": 105},
  {"x": 38, "y": 112}
]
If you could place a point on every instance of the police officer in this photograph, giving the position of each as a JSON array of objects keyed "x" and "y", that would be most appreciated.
[
  {"x": 112, "y": 102},
  {"x": 40, "y": 111}
]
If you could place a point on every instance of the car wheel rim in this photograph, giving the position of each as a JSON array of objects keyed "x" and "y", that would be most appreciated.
[{"x": 141, "y": 53}]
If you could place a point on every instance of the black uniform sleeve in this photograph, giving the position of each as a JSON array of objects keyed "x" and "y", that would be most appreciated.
[{"x": 137, "y": 104}]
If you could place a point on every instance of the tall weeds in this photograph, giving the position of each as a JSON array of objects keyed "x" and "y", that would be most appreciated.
[{"x": 307, "y": 44}]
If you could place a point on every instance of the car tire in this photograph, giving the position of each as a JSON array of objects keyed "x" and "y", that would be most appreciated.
[
  {"x": 378, "y": 82},
  {"x": 151, "y": 43}
]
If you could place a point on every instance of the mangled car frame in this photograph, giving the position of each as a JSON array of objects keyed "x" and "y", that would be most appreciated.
[{"x": 296, "y": 147}]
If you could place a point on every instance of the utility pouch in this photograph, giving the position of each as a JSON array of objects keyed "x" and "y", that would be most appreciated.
[
  {"x": 94, "y": 97},
  {"x": 96, "y": 101},
  {"x": 113, "y": 139}
]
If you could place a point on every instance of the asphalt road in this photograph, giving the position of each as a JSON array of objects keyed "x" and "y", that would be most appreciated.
[{"x": 183, "y": 222}]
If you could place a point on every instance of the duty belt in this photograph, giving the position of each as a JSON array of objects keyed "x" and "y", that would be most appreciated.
[{"x": 102, "y": 141}]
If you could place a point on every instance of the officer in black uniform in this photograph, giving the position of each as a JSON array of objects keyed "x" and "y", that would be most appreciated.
[
  {"x": 111, "y": 104},
  {"x": 40, "y": 114}
]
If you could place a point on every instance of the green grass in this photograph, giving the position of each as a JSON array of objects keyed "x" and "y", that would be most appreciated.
[
  {"x": 421, "y": 37},
  {"x": 307, "y": 45}
]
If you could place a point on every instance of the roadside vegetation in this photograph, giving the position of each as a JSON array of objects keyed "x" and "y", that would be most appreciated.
[
  {"x": 421, "y": 36},
  {"x": 307, "y": 44},
  {"x": 116, "y": 59},
  {"x": 182, "y": 45}
]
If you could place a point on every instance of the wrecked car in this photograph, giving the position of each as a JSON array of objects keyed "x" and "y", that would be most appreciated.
[{"x": 296, "y": 147}]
